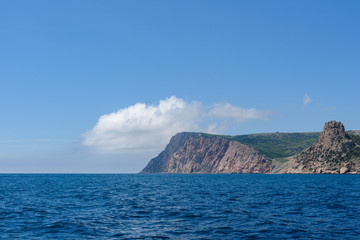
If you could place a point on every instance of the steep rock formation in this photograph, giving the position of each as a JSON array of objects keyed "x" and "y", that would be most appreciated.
[
  {"x": 335, "y": 152},
  {"x": 197, "y": 153},
  {"x": 159, "y": 164}
]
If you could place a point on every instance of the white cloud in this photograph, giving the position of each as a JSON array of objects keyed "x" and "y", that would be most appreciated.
[
  {"x": 306, "y": 100},
  {"x": 143, "y": 126},
  {"x": 226, "y": 110},
  {"x": 150, "y": 127}
]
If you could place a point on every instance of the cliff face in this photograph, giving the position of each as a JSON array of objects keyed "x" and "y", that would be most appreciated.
[
  {"x": 160, "y": 163},
  {"x": 335, "y": 152},
  {"x": 200, "y": 154}
]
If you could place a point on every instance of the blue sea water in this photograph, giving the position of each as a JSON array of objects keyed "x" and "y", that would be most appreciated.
[{"x": 160, "y": 206}]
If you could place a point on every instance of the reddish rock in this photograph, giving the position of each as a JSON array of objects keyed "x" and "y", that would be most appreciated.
[{"x": 201, "y": 154}]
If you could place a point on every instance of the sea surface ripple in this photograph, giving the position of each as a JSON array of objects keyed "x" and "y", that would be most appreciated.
[{"x": 161, "y": 206}]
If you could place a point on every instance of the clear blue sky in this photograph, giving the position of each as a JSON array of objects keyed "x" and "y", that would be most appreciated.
[{"x": 64, "y": 64}]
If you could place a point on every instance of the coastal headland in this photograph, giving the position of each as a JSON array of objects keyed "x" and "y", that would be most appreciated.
[{"x": 332, "y": 151}]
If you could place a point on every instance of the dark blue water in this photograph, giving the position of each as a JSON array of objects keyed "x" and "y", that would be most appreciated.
[{"x": 179, "y": 206}]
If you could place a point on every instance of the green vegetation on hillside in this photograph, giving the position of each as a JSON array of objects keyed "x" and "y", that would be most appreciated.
[
  {"x": 275, "y": 145},
  {"x": 278, "y": 145},
  {"x": 355, "y": 153},
  {"x": 355, "y": 138}
]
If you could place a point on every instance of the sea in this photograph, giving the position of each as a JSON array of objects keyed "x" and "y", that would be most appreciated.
[{"x": 179, "y": 206}]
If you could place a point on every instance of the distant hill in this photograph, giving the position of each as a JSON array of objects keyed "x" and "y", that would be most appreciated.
[
  {"x": 278, "y": 145},
  {"x": 354, "y": 132},
  {"x": 258, "y": 153}
]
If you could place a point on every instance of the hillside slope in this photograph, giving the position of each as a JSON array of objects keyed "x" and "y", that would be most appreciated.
[{"x": 336, "y": 152}]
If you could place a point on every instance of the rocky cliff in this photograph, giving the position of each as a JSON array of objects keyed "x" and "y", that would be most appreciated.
[
  {"x": 160, "y": 163},
  {"x": 199, "y": 153},
  {"x": 332, "y": 151},
  {"x": 336, "y": 152}
]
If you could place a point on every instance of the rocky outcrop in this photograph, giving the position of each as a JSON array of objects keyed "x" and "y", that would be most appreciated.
[
  {"x": 335, "y": 152},
  {"x": 160, "y": 163},
  {"x": 333, "y": 139},
  {"x": 198, "y": 153}
]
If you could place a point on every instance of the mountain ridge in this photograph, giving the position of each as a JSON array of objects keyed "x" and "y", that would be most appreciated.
[{"x": 190, "y": 152}]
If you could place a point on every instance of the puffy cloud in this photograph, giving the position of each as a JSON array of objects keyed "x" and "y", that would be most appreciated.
[
  {"x": 143, "y": 126},
  {"x": 306, "y": 100},
  {"x": 226, "y": 110},
  {"x": 150, "y": 127}
]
